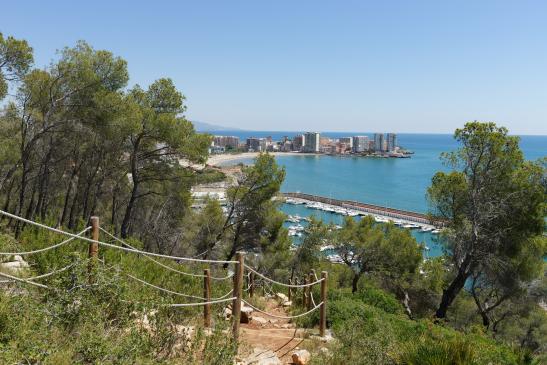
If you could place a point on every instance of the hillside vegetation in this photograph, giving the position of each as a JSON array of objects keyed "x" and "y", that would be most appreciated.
[{"x": 76, "y": 141}]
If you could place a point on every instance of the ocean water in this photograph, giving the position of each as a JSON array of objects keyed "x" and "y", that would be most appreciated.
[{"x": 394, "y": 182}]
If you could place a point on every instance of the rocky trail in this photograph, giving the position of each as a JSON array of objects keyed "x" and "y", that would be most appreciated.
[{"x": 273, "y": 341}]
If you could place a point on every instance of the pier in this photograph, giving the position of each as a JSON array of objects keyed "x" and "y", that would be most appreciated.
[{"x": 367, "y": 208}]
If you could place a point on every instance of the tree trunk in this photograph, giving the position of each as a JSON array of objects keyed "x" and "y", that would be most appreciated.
[
  {"x": 450, "y": 293},
  {"x": 354, "y": 282},
  {"x": 128, "y": 210},
  {"x": 67, "y": 197},
  {"x": 8, "y": 198},
  {"x": 134, "y": 191},
  {"x": 22, "y": 192},
  {"x": 406, "y": 304},
  {"x": 233, "y": 250}
]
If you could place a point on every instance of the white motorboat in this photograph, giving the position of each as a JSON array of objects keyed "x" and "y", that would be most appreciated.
[
  {"x": 410, "y": 226},
  {"x": 380, "y": 219}
]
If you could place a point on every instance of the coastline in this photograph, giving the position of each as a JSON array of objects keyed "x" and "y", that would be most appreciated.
[{"x": 215, "y": 160}]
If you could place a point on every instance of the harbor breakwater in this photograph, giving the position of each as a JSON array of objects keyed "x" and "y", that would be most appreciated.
[{"x": 409, "y": 216}]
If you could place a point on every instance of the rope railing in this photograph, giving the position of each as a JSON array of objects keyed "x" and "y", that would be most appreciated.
[
  {"x": 177, "y": 305},
  {"x": 43, "y": 275},
  {"x": 280, "y": 283},
  {"x": 133, "y": 250},
  {"x": 235, "y": 295},
  {"x": 21, "y": 280},
  {"x": 144, "y": 282},
  {"x": 283, "y": 317},
  {"x": 26, "y": 253},
  {"x": 162, "y": 264}
]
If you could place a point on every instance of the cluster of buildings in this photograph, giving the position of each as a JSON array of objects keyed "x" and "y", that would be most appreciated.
[{"x": 312, "y": 142}]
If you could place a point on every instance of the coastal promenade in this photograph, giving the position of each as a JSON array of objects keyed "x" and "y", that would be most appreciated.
[{"x": 364, "y": 207}]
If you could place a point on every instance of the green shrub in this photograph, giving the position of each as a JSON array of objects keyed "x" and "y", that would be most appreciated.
[
  {"x": 380, "y": 299},
  {"x": 427, "y": 351}
]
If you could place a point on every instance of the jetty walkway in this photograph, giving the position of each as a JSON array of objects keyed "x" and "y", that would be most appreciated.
[{"x": 365, "y": 207}]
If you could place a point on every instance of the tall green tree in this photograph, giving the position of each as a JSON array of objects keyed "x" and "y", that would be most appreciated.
[
  {"x": 367, "y": 247},
  {"x": 250, "y": 208},
  {"x": 15, "y": 61},
  {"x": 492, "y": 202},
  {"x": 158, "y": 140}
]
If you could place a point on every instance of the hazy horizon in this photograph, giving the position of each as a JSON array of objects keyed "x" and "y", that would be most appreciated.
[
  {"x": 420, "y": 67},
  {"x": 235, "y": 129}
]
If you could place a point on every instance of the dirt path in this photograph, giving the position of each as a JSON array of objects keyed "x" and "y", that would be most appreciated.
[{"x": 272, "y": 334}]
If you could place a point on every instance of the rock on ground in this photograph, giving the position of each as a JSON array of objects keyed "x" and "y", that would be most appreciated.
[
  {"x": 262, "y": 357},
  {"x": 246, "y": 314},
  {"x": 260, "y": 320},
  {"x": 282, "y": 297},
  {"x": 301, "y": 357}
]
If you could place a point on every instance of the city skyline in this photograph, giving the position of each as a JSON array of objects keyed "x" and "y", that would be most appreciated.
[{"x": 413, "y": 68}]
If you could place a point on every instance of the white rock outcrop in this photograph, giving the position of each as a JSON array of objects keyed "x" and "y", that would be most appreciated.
[{"x": 301, "y": 357}]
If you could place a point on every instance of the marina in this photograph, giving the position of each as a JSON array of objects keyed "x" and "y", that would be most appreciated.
[
  {"x": 299, "y": 211},
  {"x": 402, "y": 218}
]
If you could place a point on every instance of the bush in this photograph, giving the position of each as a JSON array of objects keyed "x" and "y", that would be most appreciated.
[
  {"x": 380, "y": 299},
  {"x": 430, "y": 352}
]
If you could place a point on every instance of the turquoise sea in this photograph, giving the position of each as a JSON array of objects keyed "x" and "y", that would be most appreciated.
[{"x": 394, "y": 182}]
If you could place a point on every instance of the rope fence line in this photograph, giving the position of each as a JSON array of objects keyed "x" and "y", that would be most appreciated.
[
  {"x": 173, "y": 292},
  {"x": 25, "y": 253},
  {"x": 280, "y": 283},
  {"x": 162, "y": 264},
  {"x": 113, "y": 246},
  {"x": 205, "y": 301},
  {"x": 21, "y": 280},
  {"x": 283, "y": 317},
  {"x": 40, "y": 276},
  {"x": 312, "y": 300},
  {"x": 177, "y": 305}
]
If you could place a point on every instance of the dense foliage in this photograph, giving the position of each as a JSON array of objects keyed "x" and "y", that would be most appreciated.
[
  {"x": 493, "y": 204},
  {"x": 75, "y": 141}
]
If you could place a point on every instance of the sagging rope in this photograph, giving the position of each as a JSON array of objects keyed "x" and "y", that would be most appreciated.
[
  {"x": 26, "y": 281},
  {"x": 25, "y": 253},
  {"x": 174, "y": 292},
  {"x": 283, "y": 284},
  {"x": 162, "y": 264},
  {"x": 43, "y": 275},
  {"x": 282, "y": 317},
  {"x": 114, "y": 246},
  {"x": 176, "y": 305}
]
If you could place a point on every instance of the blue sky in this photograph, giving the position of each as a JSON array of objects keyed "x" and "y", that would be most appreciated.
[{"x": 402, "y": 66}]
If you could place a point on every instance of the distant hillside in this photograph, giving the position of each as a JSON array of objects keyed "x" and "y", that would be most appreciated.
[{"x": 206, "y": 127}]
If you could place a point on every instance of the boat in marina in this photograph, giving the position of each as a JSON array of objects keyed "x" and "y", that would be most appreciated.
[
  {"x": 336, "y": 259},
  {"x": 315, "y": 205},
  {"x": 292, "y": 219},
  {"x": 426, "y": 229},
  {"x": 436, "y": 231},
  {"x": 379, "y": 219}
]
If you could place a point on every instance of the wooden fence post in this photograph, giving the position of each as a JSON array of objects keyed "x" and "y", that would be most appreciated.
[
  {"x": 311, "y": 279},
  {"x": 238, "y": 289},
  {"x": 323, "y": 309},
  {"x": 93, "y": 246},
  {"x": 207, "y": 296},
  {"x": 251, "y": 284}
]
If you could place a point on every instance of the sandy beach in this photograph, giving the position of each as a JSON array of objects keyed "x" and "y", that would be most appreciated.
[{"x": 215, "y": 160}]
